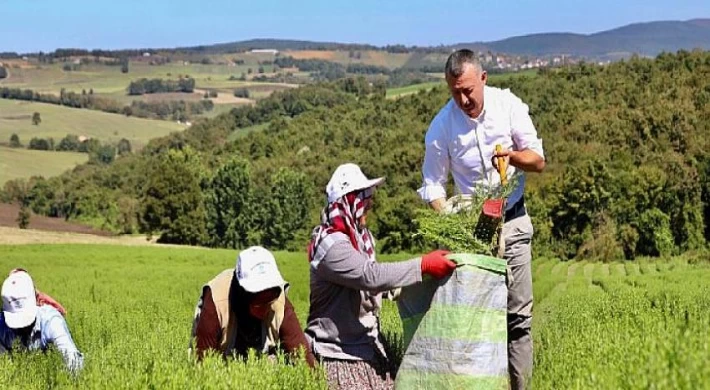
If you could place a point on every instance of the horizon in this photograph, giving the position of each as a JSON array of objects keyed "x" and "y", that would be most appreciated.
[{"x": 162, "y": 24}]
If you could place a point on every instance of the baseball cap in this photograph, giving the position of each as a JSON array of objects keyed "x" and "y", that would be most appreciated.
[
  {"x": 256, "y": 270},
  {"x": 348, "y": 178},
  {"x": 19, "y": 302}
]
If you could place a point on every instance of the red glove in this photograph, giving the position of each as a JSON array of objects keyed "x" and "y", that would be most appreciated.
[{"x": 437, "y": 265}]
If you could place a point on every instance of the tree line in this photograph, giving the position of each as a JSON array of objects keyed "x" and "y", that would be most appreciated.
[
  {"x": 147, "y": 86},
  {"x": 628, "y": 165},
  {"x": 98, "y": 152}
]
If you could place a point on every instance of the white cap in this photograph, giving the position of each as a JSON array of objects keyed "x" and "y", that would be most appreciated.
[
  {"x": 19, "y": 302},
  {"x": 257, "y": 271},
  {"x": 348, "y": 178}
]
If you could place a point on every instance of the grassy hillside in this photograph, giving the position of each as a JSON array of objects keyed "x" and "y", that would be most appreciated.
[
  {"x": 128, "y": 315},
  {"x": 23, "y": 163},
  {"x": 58, "y": 121}
]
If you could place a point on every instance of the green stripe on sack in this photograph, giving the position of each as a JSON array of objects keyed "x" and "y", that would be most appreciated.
[
  {"x": 487, "y": 263},
  {"x": 464, "y": 323},
  {"x": 410, "y": 379}
]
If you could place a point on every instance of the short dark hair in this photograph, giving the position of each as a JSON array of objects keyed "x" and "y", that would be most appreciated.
[{"x": 458, "y": 60}]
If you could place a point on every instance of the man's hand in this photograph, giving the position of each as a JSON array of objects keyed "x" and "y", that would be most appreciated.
[
  {"x": 438, "y": 204},
  {"x": 526, "y": 159}
]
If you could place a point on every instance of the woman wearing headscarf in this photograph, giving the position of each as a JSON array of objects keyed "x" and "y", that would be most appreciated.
[{"x": 347, "y": 285}]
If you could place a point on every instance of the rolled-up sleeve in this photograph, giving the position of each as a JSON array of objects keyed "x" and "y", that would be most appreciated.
[
  {"x": 522, "y": 128},
  {"x": 435, "y": 169}
]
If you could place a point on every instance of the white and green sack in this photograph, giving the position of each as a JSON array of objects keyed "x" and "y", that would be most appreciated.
[{"x": 455, "y": 328}]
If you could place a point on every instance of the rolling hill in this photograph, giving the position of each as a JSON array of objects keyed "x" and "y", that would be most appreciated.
[
  {"x": 647, "y": 39},
  {"x": 58, "y": 121},
  {"x": 642, "y": 38}
]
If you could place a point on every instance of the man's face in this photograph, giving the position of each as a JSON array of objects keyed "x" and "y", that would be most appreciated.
[
  {"x": 26, "y": 331},
  {"x": 467, "y": 90},
  {"x": 260, "y": 306}
]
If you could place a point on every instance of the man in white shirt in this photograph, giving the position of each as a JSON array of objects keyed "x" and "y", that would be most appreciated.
[{"x": 461, "y": 140}]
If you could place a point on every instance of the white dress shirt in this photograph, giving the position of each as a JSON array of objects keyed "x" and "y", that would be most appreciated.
[{"x": 465, "y": 147}]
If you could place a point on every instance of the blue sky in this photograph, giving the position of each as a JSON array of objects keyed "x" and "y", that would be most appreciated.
[{"x": 30, "y": 25}]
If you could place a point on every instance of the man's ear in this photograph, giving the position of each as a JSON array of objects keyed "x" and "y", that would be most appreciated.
[{"x": 484, "y": 76}]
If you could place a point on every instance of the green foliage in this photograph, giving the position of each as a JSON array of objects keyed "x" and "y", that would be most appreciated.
[
  {"x": 231, "y": 210},
  {"x": 105, "y": 154},
  {"x": 241, "y": 93},
  {"x": 40, "y": 144},
  {"x": 15, "y": 141},
  {"x": 172, "y": 202},
  {"x": 655, "y": 237},
  {"x": 460, "y": 228},
  {"x": 286, "y": 208},
  {"x": 123, "y": 147},
  {"x": 36, "y": 119},
  {"x": 69, "y": 143},
  {"x": 619, "y": 140},
  {"x": 148, "y": 86}
]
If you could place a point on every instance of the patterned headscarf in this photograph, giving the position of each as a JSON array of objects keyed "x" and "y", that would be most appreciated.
[{"x": 343, "y": 215}]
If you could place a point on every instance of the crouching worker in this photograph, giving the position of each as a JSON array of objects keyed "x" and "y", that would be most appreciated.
[
  {"x": 34, "y": 325},
  {"x": 247, "y": 308}
]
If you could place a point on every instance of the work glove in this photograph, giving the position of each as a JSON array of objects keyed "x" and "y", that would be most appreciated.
[{"x": 437, "y": 265}]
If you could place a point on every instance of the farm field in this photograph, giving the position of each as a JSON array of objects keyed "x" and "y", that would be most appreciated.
[
  {"x": 18, "y": 163},
  {"x": 105, "y": 79},
  {"x": 410, "y": 89},
  {"x": 368, "y": 57},
  {"x": 58, "y": 121},
  {"x": 597, "y": 325}
]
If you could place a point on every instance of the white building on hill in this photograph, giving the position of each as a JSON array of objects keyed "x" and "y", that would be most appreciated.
[{"x": 265, "y": 51}]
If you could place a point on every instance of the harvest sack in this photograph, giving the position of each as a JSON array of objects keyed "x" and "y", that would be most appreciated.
[{"x": 455, "y": 328}]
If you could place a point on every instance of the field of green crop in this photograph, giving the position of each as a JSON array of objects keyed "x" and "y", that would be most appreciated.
[
  {"x": 622, "y": 325},
  {"x": 58, "y": 121},
  {"x": 23, "y": 163},
  {"x": 632, "y": 325}
]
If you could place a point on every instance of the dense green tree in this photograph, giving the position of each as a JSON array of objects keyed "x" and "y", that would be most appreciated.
[
  {"x": 286, "y": 208},
  {"x": 39, "y": 144},
  {"x": 172, "y": 202},
  {"x": 124, "y": 147},
  {"x": 69, "y": 143},
  {"x": 15, "y": 141},
  {"x": 232, "y": 214}
]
